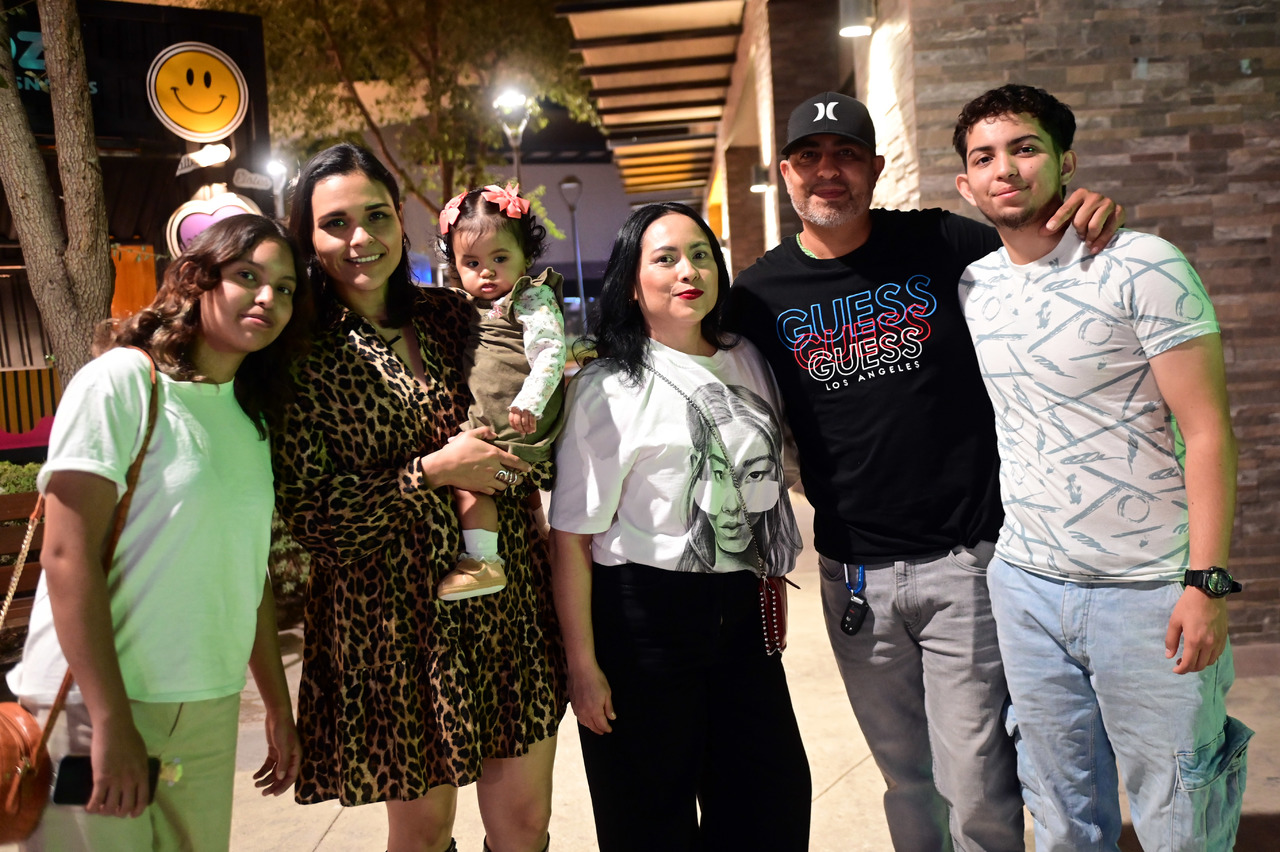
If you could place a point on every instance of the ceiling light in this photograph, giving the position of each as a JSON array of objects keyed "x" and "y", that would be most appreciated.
[{"x": 857, "y": 17}]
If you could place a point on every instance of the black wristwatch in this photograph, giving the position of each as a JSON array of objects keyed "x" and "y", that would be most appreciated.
[{"x": 1215, "y": 582}]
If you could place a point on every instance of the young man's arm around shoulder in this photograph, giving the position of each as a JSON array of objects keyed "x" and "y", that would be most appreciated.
[{"x": 1192, "y": 380}]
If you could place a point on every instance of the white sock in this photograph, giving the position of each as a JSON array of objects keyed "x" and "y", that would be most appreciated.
[{"x": 480, "y": 544}]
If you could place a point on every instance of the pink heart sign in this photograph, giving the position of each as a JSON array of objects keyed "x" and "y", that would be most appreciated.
[{"x": 193, "y": 217}]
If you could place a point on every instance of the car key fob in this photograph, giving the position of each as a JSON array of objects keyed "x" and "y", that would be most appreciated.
[{"x": 854, "y": 614}]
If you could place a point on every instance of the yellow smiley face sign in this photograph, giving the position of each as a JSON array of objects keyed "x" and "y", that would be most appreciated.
[{"x": 197, "y": 91}]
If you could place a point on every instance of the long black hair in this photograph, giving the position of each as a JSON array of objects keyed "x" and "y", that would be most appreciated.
[
  {"x": 169, "y": 327},
  {"x": 347, "y": 159},
  {"x": 621, "y": 334}
]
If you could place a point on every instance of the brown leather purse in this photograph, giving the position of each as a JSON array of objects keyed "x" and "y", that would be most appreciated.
[
  {"x": 24, "y": 763},
  {"x": 25, "y": 770},
  {"x": 24, "y": 781}
]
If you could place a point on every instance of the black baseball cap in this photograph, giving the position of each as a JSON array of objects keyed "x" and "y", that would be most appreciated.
[{"x": 831, "y": 112}]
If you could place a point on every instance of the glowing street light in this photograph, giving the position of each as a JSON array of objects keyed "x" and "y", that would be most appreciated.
[{"x": 513, "y": 112}]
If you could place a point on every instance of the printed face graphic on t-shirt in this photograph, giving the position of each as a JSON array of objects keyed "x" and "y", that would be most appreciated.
[
  {"x": 723, "y": 486},
  {"x": 734, "y": 492}
]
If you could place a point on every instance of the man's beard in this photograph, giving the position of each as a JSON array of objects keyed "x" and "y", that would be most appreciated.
[
  {"x": 1013, "y": 219},
  {"x": 824, "y": 214}
]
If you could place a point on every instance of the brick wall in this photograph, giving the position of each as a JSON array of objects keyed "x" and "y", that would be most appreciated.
[
  {"x": 884, "y": 70},
  {"x": 806, "y": 59},
  {"x": 745, "y": 138},
  {"x": 746, "y": 208},
  {"x": 1178, "y": 104}
]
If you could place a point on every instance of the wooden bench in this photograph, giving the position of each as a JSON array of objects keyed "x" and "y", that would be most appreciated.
[{"x": 15, "y": 509}]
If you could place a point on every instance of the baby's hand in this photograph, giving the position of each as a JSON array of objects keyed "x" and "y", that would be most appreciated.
[{"x": 524, "y": 422}]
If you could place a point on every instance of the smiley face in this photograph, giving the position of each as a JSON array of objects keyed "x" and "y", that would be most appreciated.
[{"x": 197, "y": 91}]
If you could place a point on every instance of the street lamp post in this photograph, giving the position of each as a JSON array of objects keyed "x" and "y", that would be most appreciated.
[
  {"x": 278, "y": 172},
  {"x": 571, "y": 192},
  {"x": 513, "y": 111}
]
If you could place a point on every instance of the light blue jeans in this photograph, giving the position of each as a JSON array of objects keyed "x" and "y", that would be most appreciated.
[{"x": 1092, "y": 691}]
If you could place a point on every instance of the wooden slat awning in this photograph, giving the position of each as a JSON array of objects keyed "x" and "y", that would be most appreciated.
[{"x": 660, "y": 72}]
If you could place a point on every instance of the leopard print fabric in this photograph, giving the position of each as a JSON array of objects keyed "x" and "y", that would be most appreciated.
[{"x": 400, "y": 691}]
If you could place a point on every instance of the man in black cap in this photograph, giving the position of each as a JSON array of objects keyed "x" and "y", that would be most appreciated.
[{"x": 859, "y": 317}]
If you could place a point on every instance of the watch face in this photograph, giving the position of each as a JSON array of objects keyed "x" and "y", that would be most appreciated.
[{"x": 1217, "y": 582}]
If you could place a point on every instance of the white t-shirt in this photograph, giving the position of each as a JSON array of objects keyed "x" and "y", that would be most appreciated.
[
  {"x": 189, "y": 569},
  {"x": 639, "y": 469},
  {"x": 1091, "y": 485}
]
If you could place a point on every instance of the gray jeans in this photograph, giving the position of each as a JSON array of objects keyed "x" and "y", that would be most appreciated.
[{"x": 927, "y": 687}]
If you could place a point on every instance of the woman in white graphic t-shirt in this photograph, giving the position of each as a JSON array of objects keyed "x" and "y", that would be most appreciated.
[{"x": 668, "y": 506}]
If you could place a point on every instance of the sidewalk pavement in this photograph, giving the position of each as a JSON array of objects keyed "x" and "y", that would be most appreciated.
[{"x": 847, "y": 787}]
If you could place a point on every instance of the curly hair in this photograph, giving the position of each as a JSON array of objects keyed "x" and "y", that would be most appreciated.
[
  {"x": 1013, "y": 99},
  {"x": 482, "y": 218},
  {"x": 621, "y": 332},
  {"x": 347, "y": 159},
  {"x": 169, "y": 327}
]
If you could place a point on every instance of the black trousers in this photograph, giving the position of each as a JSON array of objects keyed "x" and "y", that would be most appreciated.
[{"x": 704, "y": 719}]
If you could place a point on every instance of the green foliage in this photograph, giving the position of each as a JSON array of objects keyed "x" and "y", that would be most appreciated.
[
  {"x": 419, "y": 77},
  {"x": 18, "y": 478},
  {"x": 534, "y": 197},
  {"x": 289, "y": 564}
]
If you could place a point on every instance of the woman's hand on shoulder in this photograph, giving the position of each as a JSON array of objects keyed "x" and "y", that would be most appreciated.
[
  {"x": 592, "y": 699},
  {"x": 471, "y": 463},
  {"x": 121, "y": 779}
]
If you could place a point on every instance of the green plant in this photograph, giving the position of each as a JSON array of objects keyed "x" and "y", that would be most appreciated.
[
  {"x": 17, "y": 478},
  {"x": 288, "y": 563}
]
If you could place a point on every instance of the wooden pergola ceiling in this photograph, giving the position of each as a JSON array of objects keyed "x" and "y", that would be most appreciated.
[{"x": 659, "y": 73}]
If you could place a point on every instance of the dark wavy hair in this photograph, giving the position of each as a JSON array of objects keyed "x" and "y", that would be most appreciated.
[
  {"x": 481, "y": 218},
  {"x": 1013, "y": 99},
  {"x": 169, "y": 327},
  {"x": 347, "y": 159},
  {"x": 621, "y": 334}
]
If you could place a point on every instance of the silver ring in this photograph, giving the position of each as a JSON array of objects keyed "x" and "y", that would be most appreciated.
[{"x": 504, "y": 476}]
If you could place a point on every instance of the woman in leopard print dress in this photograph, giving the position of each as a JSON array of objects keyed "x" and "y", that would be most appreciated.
[{"x": 404, "y": 697}]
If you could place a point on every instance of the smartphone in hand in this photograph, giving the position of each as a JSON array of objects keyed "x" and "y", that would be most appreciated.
[{"x": 73, "y": 780}]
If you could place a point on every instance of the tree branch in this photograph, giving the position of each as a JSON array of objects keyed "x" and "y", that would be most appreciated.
[
  {"x": 34, "y": 210},
  {"x": 88, "y": 257},
  {"x": 428, "y": 67},
  {"x": 410, "y": 187}
]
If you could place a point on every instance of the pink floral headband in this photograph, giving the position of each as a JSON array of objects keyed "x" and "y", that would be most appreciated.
[{"x": 506, "y": 197}]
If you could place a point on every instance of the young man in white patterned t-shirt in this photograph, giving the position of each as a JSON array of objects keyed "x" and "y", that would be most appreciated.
[{"x": 1109, "y": 583}]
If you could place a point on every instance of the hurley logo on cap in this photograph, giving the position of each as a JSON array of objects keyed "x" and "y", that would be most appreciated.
[
  {"x": 827, "y": 111},
  {"x": 818, "y": 114}
]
